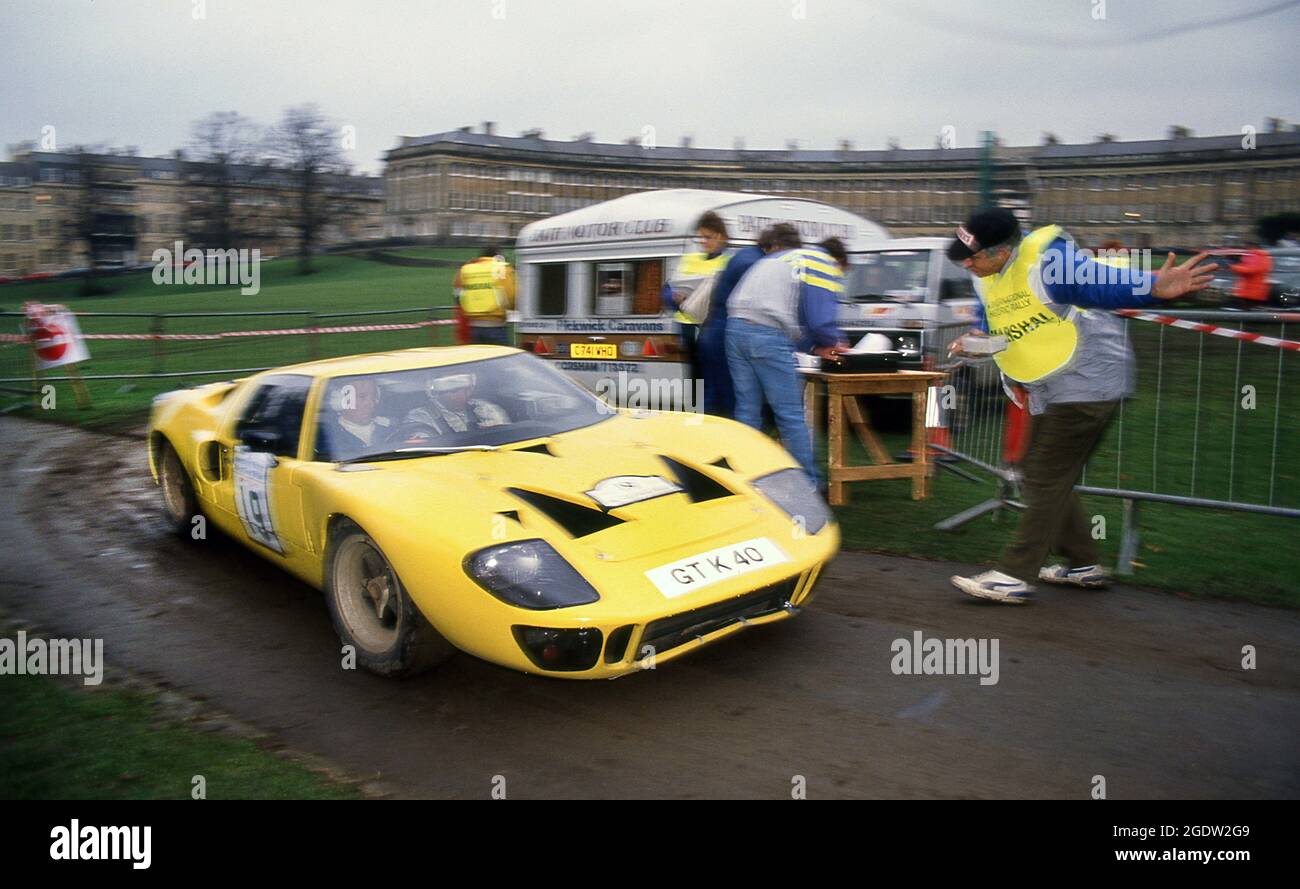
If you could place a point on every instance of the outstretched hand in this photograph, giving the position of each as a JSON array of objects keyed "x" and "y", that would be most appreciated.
[{"x": 1173, "y": 281}]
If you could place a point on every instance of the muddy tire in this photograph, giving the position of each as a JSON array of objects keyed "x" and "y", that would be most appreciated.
[
  {"x": 372, "y": 611},
  {"x": 179, "y": 504}
]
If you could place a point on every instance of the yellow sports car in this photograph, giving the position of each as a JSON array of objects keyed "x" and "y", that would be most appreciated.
[{"x": 475, "y": 498}]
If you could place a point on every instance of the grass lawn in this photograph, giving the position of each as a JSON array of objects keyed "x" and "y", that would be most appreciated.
[
  {"x": 59, "y": 742},
  {"x": 1211, "y": 419},
  {"x": 341, "y": 284}
]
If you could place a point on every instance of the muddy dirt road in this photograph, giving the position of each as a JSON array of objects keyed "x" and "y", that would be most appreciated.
[{"x": 1143, "y": 688}]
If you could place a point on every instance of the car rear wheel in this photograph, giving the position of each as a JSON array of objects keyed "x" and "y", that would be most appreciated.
[
  {"x": 180, "y": 505},
  {"x": 372, "y": 611}
]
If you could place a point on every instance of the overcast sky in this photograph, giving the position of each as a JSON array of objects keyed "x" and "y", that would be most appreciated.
[{"x": 139, "y": 72}]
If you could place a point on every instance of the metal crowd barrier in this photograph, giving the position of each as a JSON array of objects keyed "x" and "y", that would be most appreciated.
[{"x": 1214, "y": 422}]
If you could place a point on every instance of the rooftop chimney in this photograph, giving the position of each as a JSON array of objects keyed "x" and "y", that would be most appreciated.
[
  {"x": 846, "y": 145},
  {"x": 489, "y": 128},
  {"x": 738, "y": 143},
  {"x": 791, "y": 144},
  {"x": 686, "y": 141}
]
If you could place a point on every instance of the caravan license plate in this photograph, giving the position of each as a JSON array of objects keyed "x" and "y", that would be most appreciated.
[
  {"x": 593, "y": 350},
  {"x": 691, "y": 573}
]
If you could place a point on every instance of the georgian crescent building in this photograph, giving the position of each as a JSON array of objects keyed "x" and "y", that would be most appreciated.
[{"x": 1185, "y": 190}]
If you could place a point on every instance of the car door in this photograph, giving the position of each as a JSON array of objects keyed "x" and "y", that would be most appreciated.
[{"x": 259, "y": 455}]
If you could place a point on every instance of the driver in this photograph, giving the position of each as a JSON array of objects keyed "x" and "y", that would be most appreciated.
[
  {"x": 453, "y": 409},
  {"x": 354, "y": 425}
]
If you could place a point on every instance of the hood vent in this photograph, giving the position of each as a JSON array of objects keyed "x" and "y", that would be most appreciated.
[
  {"x": 699, "y": 487},
  {"x": 578, "y": 521},
  {"x": 541, "y": 448}
]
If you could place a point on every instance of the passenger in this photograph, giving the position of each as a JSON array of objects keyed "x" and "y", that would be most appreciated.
[
  {"x": 353, "y": 425},
  {"x": 453, "y": 409}
]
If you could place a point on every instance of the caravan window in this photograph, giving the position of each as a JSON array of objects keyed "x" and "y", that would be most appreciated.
[
  {"x": 629, "y": 288},
  {"x": 552, "y": 280}
]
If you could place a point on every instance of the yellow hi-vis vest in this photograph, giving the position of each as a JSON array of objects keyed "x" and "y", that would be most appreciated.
[
  {"x": 480, "y": 287},
  {"x": 698, "y": 265},
  {"x": 1039, "y": 342}
]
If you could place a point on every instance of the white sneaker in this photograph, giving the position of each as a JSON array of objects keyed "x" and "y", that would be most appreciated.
[
  {"x": 996, "y": 586},
  {"x": 1091, "y": 577}
]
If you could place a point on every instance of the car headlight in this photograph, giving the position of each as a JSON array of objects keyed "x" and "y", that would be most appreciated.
[
  {"x": 529, "y": 574},
  {"x": 791, "y": 490}
]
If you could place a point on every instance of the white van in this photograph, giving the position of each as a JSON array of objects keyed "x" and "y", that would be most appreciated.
[
  {"x": 589, "y": 281},
  {"x": 908, "y": 290}
]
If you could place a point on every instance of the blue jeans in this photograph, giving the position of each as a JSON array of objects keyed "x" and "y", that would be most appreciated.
[
  {"x": 711, "y": 356},
  {"x": 497, "y": 335},
  {"x": 761, "y": 360}
]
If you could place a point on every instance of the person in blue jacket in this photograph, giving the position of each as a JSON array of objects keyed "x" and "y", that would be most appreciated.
[{"x": 711, "y": 348}]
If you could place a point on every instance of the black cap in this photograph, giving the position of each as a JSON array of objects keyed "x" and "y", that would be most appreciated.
[{"x": 983, "y": 229}]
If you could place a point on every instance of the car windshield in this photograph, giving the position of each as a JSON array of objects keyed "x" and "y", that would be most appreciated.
[
  {"x": 895, "y": 275},
  {"x": 469, "y": 406}
]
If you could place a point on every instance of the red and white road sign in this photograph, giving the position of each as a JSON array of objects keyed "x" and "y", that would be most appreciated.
[{"x": 55, "y": 336}]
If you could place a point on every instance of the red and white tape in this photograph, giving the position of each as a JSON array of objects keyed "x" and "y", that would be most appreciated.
[
  {"x": 227, "y": 334},
  {"x": 1230, "y": 333}
]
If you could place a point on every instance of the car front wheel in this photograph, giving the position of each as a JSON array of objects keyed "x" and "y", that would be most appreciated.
[
  {"x": 372, "y": 611},
  {"x": 180, "y": 505}
]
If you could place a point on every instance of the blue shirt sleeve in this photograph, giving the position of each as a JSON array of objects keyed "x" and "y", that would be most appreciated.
[
  {"x": 817, "y": 310},
  {"x": 1075, "y": 279},
  {"x": 731, "y": 275},
  {"x": 666, "y": 296}
]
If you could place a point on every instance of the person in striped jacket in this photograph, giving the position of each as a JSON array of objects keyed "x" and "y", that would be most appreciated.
[{"x": 785, "y": 303}]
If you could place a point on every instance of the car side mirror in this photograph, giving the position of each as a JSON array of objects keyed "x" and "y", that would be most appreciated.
[{"x": 261, "y": 440}]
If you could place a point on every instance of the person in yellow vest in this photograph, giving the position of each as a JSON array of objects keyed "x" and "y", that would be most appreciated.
[
  {"x": 1046, "y": 304},
  {"x": 485, "y": 291},
  {"x": 704, "y": 264}
]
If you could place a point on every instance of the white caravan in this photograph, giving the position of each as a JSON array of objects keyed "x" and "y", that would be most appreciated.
[{"x": 589, "y": 280}]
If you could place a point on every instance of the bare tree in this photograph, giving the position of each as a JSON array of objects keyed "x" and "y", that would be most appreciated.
[
  {"x": 307, "y": 144},
  {"x": 223, "y": 179}
]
